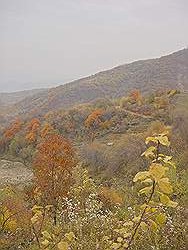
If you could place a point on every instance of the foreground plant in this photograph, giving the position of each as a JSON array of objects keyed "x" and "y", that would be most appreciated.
[{"x": 157, "y": 188}]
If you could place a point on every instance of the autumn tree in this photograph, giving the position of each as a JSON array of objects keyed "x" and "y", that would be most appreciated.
[
  {"x": 46, "y": 130},
  {"x": 14, "y": 218},
  {"x": 32, "y": 130},
  {"x": 14, "y": 128},
  {"x": 53, "y": 166},
  {"x": 9, "y": 133},
  {"x": 93, "y": 122},
  {"x": 136, "y": 96}
]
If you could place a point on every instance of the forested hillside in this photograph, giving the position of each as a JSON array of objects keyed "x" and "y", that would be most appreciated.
[{"x": 167, "y": 72}]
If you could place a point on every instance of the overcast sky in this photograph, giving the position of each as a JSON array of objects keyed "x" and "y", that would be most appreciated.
[{"x": 49, "y": 42}]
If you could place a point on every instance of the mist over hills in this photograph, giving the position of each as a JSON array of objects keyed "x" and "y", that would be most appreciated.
[{"x": 166, "y": 72}]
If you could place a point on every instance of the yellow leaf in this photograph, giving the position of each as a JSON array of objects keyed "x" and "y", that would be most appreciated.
[
  {"x": 153, "y": 209},
  {"x": 63, "y": 245},
  {"x": 150, "y": 139},
  {"x": 70, "y": 236},
  {"x": 119, "y": 239},
  {"x": 36, "y": 208},
  {"x": 172, "y": 164},
  {"x": 125, "y": 245},
  {"x": 165, "y": 200},
  {"x": 106, "y": 238},
  {"x": 115, "y": 246},
  {"x": 11, "y": 225},
  {"x": 144, "y": 226},
  {"x": 157, "y": 171},
  {"x": 145, "y": 190},
  {"x": 145, "y": 206},
  {"x": 136, "y": 219},
  {"x": 122, "y": 231},
  {"x": 172, "y": 204},
  {"x": 34, "y": 219},
  {"x": 149, "y": 152},
  {"x": 126, "y": 235},
  {"x": 141, "y": 176},
  {"x": 165, "y": 186},
  {"x": 153, "y": 224},
  {"x": 160, "y": 218},
  {"x": 46, "y": 235},
  {"x": 164, "y": 140},
  {"x": 45, "y": 242},
  {"x": 147, "y": 181},
  {"x": 167, "y": 158}
]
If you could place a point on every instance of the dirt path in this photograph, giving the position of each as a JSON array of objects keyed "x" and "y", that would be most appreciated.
[
  {"x": 139, "y": 115},
  {"x": 135, "y": 113}
]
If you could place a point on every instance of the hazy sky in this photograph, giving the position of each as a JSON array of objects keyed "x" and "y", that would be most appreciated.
[{"x": 50, "y": 42}]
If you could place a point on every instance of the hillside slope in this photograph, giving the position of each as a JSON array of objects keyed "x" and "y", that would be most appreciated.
[
  {"x": 168, "y": 72},
  {"x": 14, "y": 97}
]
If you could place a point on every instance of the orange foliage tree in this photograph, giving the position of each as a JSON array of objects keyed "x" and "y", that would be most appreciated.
[
  {"x": 53, "y": 166},
  {"x": 46, "y": 130},
  {"x": 93, "y": 121},
  {"x": 136, "y": 96},
  {"x": 13, "y": 129},
  {"x": 32, "y": 130}
]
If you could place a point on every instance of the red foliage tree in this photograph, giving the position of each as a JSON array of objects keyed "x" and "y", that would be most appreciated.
[{"x": 53, "y": 169}]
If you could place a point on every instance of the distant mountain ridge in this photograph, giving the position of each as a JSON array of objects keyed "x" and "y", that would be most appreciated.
[
  {"x": 14, "y": 97},
  {"x": 166, "y": 72}
]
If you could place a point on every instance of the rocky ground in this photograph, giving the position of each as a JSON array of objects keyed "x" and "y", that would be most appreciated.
[{"x": 14, "y": 173}]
